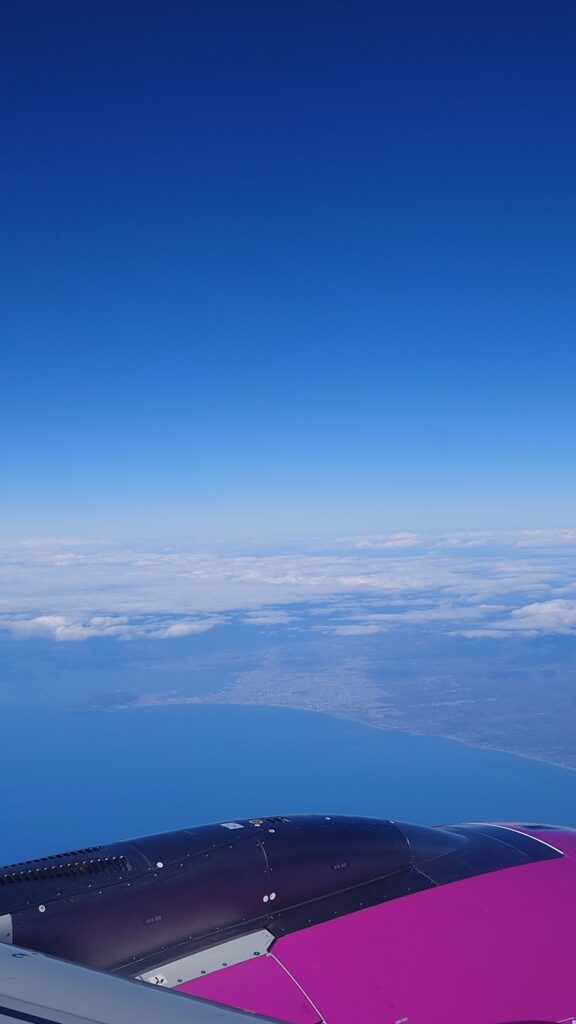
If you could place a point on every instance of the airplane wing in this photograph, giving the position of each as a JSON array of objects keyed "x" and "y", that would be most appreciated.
[
  {"x": 300, "y": 919},
  {"x": 38, "y": 989}
]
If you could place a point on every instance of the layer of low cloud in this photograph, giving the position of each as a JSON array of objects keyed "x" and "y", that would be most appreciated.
[
  {"x": 478, "y": 585},
  {"x": 512, "y": 539}
]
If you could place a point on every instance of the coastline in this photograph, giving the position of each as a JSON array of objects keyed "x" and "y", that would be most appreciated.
[{"x": 166, "y": 701}]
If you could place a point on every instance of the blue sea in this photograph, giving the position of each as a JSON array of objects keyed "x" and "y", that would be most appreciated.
[{"x": 71, "y": 779}]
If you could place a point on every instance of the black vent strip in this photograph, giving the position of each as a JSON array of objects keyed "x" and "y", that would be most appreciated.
[
  {"x": 30, "y": 1018},
  {"x": 52, "y": 857},
  {"x": 276, "y": 820},
  {"x": 97, "y": 866}
]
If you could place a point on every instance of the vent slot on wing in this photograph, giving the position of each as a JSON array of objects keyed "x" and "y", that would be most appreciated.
[
  {"x": 100, "y": 865},
  {"x": 276, "y": 820}
]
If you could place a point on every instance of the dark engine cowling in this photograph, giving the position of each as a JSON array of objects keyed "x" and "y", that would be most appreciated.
[{"x": 130, "y": 905}]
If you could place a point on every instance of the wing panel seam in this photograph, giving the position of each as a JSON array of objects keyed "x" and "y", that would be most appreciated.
[{"x": 321, "y": 1018}]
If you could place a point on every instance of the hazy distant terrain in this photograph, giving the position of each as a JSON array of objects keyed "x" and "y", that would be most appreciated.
[{"x": 470, "y": 636}]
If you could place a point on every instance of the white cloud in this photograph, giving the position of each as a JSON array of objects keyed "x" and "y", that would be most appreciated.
[
  {"x": 186, "y": 628},
  {"x": 480, "y": 634},
  {"x": 76, "y": 590},
  {"x": 556, "y": 616},
  {"x": 513, "y": 539},
  {"x": 443, "y": 613},
  {"x": 353, "y": 630},
  {"x": 545, "y": 538},
  {"x": 435, "y": 613},
  {"x": 392, "y": 540},
  {"x": 268, "y": 618},
  {"x": 61, "y": 627}
]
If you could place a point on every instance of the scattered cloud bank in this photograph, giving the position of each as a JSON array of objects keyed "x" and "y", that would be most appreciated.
[
  {"x": 61, "y": 627},
  {"x": 440, "y": 613},
  {"x": 513, "y": 539},
  {"x": 475, "y": 585},
  {"x": 556, "y": 616}
]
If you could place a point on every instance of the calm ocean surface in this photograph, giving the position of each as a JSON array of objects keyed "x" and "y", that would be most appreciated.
[{"x": 72, "y": 779}]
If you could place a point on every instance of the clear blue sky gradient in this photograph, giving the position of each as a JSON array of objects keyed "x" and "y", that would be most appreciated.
[{"x": 273, "y": 266}]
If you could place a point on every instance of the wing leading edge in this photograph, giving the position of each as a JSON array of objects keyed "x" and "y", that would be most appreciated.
[{"x": 38, "y": 989}]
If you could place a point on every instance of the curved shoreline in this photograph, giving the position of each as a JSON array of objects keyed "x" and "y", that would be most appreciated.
[{"x": 140, "y": 703}]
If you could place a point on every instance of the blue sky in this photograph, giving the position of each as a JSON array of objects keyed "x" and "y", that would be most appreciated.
[{"x": 282, "y": 267}]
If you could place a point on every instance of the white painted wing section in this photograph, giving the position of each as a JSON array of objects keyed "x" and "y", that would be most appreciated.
[
  {"x": 37, "y": 989},
  {"x": 227, "y": 954}
]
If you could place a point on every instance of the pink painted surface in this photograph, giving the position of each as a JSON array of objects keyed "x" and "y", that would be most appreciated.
[
  {"x": 494, "y": 948},
  {"x": 565, "y": 841},
  {"x": 260, "y": 985}
]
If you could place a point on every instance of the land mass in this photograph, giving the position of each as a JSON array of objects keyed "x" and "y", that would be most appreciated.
[{"x": 496, "y": 702}]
